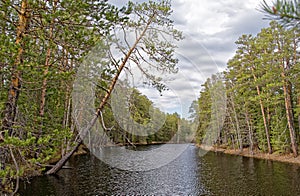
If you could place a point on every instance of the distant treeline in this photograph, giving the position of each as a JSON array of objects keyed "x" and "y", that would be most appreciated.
[{"x": 145, "y": 125}]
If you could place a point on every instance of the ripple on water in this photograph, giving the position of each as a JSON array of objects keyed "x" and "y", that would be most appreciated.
[{"x": 188, "y": 174}]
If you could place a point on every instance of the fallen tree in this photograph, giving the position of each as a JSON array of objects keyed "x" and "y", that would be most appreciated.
[{"x": 152, "y": 31}]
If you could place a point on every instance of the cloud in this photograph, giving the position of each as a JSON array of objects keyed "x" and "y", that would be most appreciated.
[
  {"x": 211, "y": 29},
  {"x": 218, "y": 23}
]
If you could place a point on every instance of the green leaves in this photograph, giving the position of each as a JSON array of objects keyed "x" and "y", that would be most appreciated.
[
  {"x": 286, "y": 12},
  {"x": 17, "y": 142},
  {"x": 257, "y": 79},
  {"x": 58, "y": 35},
  {"x": 152, "y": 34}
]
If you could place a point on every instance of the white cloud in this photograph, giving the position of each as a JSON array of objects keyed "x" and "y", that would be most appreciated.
[{"x": 211, "y": 27}]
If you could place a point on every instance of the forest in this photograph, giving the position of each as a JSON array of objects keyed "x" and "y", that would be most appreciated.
[
  {"x": 262, "y": 110},
  {"x": 43, "y": 44}
]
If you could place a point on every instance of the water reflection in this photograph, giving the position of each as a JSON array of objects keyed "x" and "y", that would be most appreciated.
[
  {"x": 142, "y": 159},
  {"x": 235, "y": 175},
  {"x": 189, "y": 174}
]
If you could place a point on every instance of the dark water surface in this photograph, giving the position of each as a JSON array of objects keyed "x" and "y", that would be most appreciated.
[{"x": 189, "y": 174}]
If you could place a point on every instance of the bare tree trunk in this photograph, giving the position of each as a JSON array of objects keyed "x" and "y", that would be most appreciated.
[
  {"x": 262, "y": 108},
  {"x": 249, "y": 132},
  {"x": 17, "y": 171},
  {"x": 287, "y": 91},
  {"x": 66, "y": 120},
  {"x": 289, "y": 114},
  {"x": 83, "y": 134}
]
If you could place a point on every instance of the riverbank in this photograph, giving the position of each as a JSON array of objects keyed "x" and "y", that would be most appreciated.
[{"x": 286, "y": 158}]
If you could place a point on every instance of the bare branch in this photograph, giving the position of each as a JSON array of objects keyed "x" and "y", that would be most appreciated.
[
  {"x": 125, "y": 37},
  {"x": 17, "y": 169},
  {"x": 103, "y": 123}
]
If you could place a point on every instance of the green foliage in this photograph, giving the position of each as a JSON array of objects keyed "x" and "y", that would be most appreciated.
[
  {"x": 58, "y": 35},
  {"x": 17, "y": 142},
  {"x": 262, "y": 67},
  {"x": 285, "y": 11},
  {"x": 280, "y": 134},
  {"x": 140, "y": 109},
  {"x": 154, "y": 51}
]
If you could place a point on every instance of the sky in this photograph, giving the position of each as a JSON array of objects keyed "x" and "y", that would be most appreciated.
[{"x": 210, "y": 28}]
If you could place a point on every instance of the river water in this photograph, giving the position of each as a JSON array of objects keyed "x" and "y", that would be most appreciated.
[{"x": 190, "y": 173}]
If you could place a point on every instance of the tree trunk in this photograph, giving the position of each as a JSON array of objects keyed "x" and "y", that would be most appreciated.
[
  {"x": 15, "y": 86},
  {"x": 46, "y": 71},
  {"x": 297, "y": 85},
  {"x": 249, "y": 131},
  {"x": 237, "y": 125},
  {"x": 287, "y": 90},
  {"x": 83, "y": 134},
  {"x": 298, "y": 104},
  {"x": 262, "y": 108}
]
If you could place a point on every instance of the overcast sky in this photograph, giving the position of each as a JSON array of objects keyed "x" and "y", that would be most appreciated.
[{"x": 211, "y": 28}]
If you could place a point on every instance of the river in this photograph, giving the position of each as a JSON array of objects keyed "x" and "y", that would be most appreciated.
[{"x": 189, "y": 174}]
